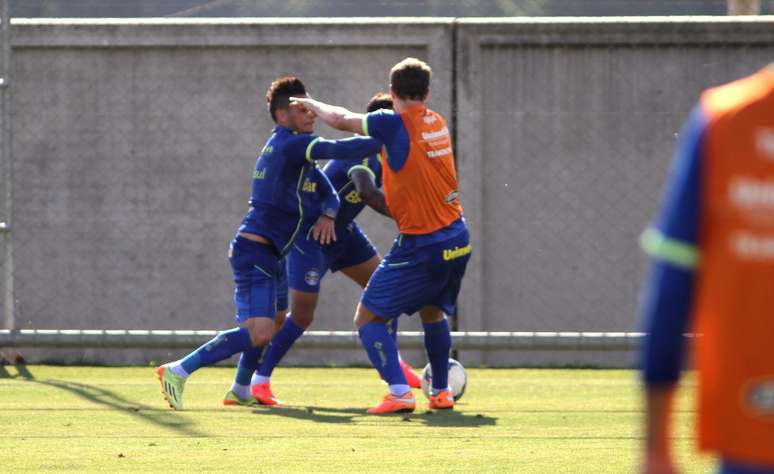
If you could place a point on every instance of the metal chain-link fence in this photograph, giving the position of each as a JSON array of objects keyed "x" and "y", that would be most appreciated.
[{"x": 134, "y": 141}]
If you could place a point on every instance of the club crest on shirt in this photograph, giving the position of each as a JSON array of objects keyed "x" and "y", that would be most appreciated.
[
  {"x": 759, "y": 397},
  {"x": 312, "y": 277}
]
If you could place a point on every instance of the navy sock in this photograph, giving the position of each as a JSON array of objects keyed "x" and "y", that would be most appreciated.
[
  {"x": 222, "y": 346},
  {"x": 280, "y": 345},
  {"x": 438, "y": 345},
  {"x": 248, "y": 362},
  {"x": 382, "y": 352}
]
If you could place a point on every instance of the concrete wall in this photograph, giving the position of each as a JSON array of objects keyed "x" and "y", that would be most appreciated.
[
  {"x": 134, "y": 146},
  {"x": 134, "y": 143},
  {"x": 566, "y": 129}
]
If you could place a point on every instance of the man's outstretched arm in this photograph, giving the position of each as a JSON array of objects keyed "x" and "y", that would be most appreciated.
[
  {"x": 333, "y": 115},
  {"x": 363, "y": 179}
]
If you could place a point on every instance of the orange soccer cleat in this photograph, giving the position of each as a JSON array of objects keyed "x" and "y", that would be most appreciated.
[
  {"x": 443, "y": 400},
  {"x": 412, "y": 379},
  {"x": 262, "y": 393},
  {"x": 394, "y": 404}
]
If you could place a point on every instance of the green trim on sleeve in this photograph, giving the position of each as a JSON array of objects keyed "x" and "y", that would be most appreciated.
[
  {"x": 659, "y": 246},
  {"x": 365, "y": 125},
  {"x": 309, "y": 149},
  {"x": 300, "y": 212},
  {"x": 361, "y": 167}
]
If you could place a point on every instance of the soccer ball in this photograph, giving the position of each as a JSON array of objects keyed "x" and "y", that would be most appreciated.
[{"x": 458, "y": 379}]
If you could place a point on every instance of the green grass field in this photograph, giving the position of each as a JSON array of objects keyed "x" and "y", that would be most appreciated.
[{"x": 522, "y": 420}]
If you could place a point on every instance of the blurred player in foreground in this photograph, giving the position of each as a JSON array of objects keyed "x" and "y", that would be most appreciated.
[
  {"x": 713, "y": 274},
  {"x": 358, "y": 182},
  {"x": 284, "y": 170},
  {"x": 424, "y": 269}
]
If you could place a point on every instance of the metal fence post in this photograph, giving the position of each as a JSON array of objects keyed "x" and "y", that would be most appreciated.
[{"x": 7, "y": 167}]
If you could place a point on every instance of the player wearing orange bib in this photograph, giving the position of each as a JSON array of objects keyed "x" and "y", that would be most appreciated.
[
  {"x": 713, "y": 273},
  {"x": 424, "y": 269}
]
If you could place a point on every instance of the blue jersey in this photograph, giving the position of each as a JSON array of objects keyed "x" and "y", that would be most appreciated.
[
  {"x": 317, "y": 197},
  {"x": 338, "y": 172},
  {"x": 284, "y": 172},
  {"x": 281, "y": 174}
]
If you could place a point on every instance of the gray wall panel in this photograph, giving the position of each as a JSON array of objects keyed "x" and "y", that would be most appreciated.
[
  {"x": 134, "y": 148},
  {"x": 565, "y": 139}
]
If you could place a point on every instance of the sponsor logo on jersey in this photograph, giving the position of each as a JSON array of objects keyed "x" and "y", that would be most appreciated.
[
  {"x": 456, "y": 252},
  {"x": 259, "y": 174},
  {"x": 429, "y": 119},
  {"x": 765, "y": 142},
  {"x": 451, "y": 197},
  {"x": 353, "y": 197},
  {"x": 439, "y": 153},
  {"x": 444, "y": 132},
  {"x": 309, "y": 186},
  {"x": 760, "y": 396},
  {"x": 747, "y": 192},
  {"x": 267, "y": 150},
  {"x": 753, "y": 246}
]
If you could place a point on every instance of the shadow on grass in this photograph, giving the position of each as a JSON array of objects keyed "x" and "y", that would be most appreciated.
[
  {"x": 318, "y": 414},
  {"x": 111, "y": 400}
]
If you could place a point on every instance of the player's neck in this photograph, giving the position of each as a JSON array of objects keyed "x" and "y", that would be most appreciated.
[
  {"x": 287, "y": 125},
  {"x": 401, "y": 105}
]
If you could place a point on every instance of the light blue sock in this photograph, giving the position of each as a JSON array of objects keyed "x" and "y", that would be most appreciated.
[
  {"x": 222, "y": 346},
  {"x": 382, "y": 352}
]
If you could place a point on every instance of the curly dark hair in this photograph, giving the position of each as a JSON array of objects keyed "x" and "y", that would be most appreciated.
[
  {"x": 280, "y": 91},
  {"x": 380, "y": 100}
]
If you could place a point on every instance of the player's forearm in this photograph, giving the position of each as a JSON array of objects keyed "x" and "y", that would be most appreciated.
[
  {"x": 376, "y": 201},
  {"x": 666, "y": 309},
  {"x": 333, "y": 115},
  {"x": 345, "y": 149},
  {"x": 328, "y": 196}
]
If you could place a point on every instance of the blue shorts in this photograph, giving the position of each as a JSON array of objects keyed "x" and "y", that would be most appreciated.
[
  {"x": 260, "y": 279},
  {"x": 732, "y": 467},
  {"x": 413, "y": 276},
  {"x": 308, "y": 261}
]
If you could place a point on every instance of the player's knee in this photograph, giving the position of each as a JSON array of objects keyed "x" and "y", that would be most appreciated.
[
  {"x": 302, "y": 308},
  {"x": 364, "y": 316},
  {"x": 261, "y": 337},
  {"x": 431, "y": 314},
  {"x": 303, "y": 319},
  {"x": 261, "y": 331}
]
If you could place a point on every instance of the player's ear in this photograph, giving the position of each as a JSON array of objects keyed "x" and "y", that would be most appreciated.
[{"x": 281, "y": 115}]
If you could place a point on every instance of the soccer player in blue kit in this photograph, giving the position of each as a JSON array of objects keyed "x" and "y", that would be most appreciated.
[
  {"x": 283, "y": 171},
  {"x": 424, "y": 269},
  {"x": 358, "y": 182}
]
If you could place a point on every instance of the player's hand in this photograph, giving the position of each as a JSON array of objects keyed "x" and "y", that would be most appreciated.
[
  {"x": 306, "y": 102},
  {"x": 324, "y": 230}
]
